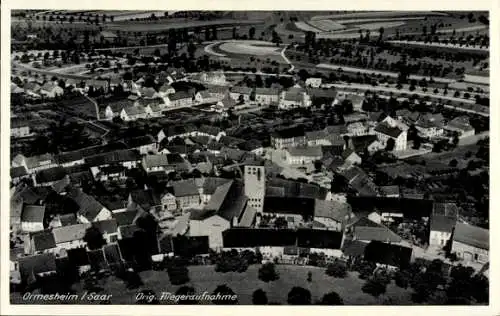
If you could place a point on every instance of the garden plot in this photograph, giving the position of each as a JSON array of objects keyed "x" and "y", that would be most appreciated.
[
  {"x": 380, "y": 72},
  {"x": 306, "y": 27},
  {"x": 354, "y": 21},
  {"x": 378, "y": 25},
  {"x": 380, "y": 14},
  {"x": 326, "y": 25}
]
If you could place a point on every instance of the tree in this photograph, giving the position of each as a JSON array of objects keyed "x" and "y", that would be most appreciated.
[
  {"x": 417, "y": 142},
  {"x": 453, "y": 163},
  {"x": 374, "y": 286},
  {"x": 268, "y": 273},
  {"x": 309, "y": 276},
  {"x": 402, "y": 278},
  {"x": 331, "y": 298},
  {"x": 94, "y": 239},
  {"x": 178, "y": 272},
  {"x": 251, "y": 33},
  {"x": 455, "y": 139},
  {"x": 228, "y": 297},
  {"x": 185, "y": 292},
  {"x": 259, "y": 297},
  {"x": 337, "y": 269},
  {"x": 381, "y": 33},
  {"x": 299, "y": 296},
  {"x": 390, "y": 144}
]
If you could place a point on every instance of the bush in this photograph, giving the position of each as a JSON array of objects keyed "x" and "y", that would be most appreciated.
[
  {"x": 337, "y": 269},
  {"x": 268, "y": 273},
  {"x": 299, "y": 296},
  {"x": 365, "y": 269},
  {"x": 224, "y": 290},
  {"x": 231, "y": 262},
  {"x": 402, "y": 279},
  {"x": 178, "y": 272},
  {"x": 259, "y": 297},
  {"x": 384, "y": 276},
  {"x": 374, "y": 286},
  {"x": 332, "y": 298}
]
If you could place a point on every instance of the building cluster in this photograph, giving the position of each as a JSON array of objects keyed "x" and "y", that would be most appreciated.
[
  {"x": 236, "y": 201},
  {"x": 280, "y": 218}
]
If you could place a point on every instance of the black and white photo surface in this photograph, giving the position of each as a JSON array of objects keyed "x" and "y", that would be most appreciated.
[{"x": 249, "y": 157}]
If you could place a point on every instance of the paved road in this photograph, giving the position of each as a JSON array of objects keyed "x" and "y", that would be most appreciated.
[{"x": 292, "y": 67}]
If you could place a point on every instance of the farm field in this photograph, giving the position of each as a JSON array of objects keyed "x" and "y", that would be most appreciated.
[
  {"x": 377, "y": 14},
  {"x": 441, "y": 45},
  {"x": 204, "y": 278},
  {"x": 383, "y": 73},
  {"x": 165, "y": 26}
]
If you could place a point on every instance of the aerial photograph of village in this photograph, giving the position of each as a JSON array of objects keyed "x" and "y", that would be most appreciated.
[{"x": 249, "y": 157}]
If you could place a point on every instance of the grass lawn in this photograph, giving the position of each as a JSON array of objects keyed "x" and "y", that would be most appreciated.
[{"x": 204, "y": 278}]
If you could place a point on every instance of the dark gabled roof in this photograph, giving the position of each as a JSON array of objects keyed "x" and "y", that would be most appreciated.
[
  {"x": 88, "y": 205},
  {"x": 293, "y": 96},
  {"x": 43, "y": 240},
  {"x": 444, "y": 217},
  {"x": 233, "y": 153},
  {"x": 472, "y": 235},
  {"x": 388, "y": 130},
  {"x": 231, "y": 141},
  {"x": 379, "y": 233},
  {"x": 322, "y": 93},
  {"x": 390, "y": 254},
  {"x": 266, "y": 91},
  {"x": 68, "y": 219},
  {"x": 128, "y": 231},
  {"x": 76, "y": 155},
  {"x": 33, "y": 213},
  {"x": 354, "y": 248},
  {"x": 50, "y": 175},
  {"x": 29, "y": 266},
  {"x": 289, "y": 205},
  {"x": 190, "y": 246},
  {"x": 125, "y": 217},
  {"x": 145, "y": 198},
  {"x": 410, "y": 208},
  {"x": 241, "y": 90},
  {"x": 257, "y": 237},
  {"x": 250, "y": 145},
  {"x": 210, "y": 130},
  {"x": 140, "y": 141},
  {"x": 291, "y": 188},
  {"x": 360, "y": 143},
  {"x": 331, "y": 209},
  {"x": 70, "y": 233},
  {"x": 179, "y": 95},
  {"x": 290, "y": 132},
  {"x": 319, "y": 238},
  {"x": 185, "y": 188},
  {"x": 106, "y": 227},
  {"x": 78, "y": 257},
  {"x": 234, "y": 203},
  {"x": 175, "y": 130},
  {"x": 113, "y": 157},
  {"x": 17, "y": 172}
]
